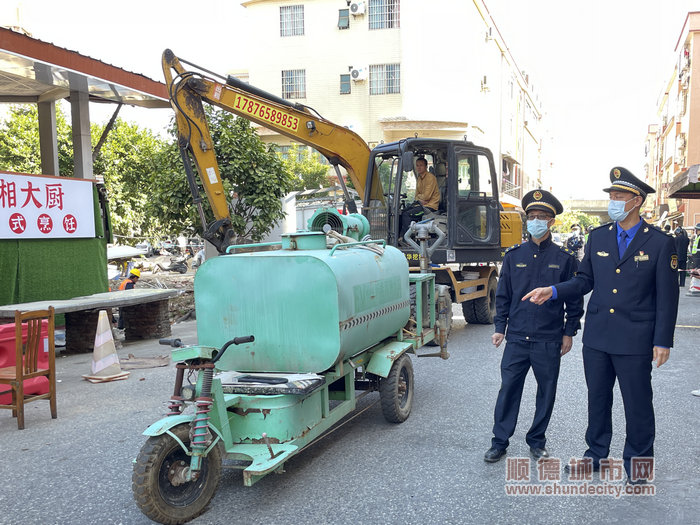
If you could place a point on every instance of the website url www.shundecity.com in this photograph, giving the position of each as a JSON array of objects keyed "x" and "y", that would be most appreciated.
[
  {"x": 548, "y": 477},
  {"x": 580, "y": 489}
]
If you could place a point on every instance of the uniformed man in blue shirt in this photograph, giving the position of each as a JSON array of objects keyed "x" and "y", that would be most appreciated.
[
  {"x": 536, "y": 337},
  {"x": 631, "y": 267}
]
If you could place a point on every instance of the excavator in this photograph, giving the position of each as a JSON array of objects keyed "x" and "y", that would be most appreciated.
[{"x": 477, "y": 227}]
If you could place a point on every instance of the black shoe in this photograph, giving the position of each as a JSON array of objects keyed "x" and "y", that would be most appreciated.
[
  {"x": 494, "y": 454},
  {"x": 538, "y": 453}
]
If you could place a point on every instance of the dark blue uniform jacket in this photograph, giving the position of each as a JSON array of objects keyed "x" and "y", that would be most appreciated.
[
  {"x": 528, "y": 266},
  {"x": 635, "y": 300}
]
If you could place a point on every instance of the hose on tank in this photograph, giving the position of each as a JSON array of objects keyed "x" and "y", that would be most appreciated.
[{"x": 343, "y": 239}]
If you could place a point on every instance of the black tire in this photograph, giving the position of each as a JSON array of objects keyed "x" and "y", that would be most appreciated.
[
  {"x": 443, "y": 307},
  {"x": 156, "y": 496},
  {"x": 483, "y": 309},
  {"x": 182, "y": 267},
  {"x": 396, "y": 391}
]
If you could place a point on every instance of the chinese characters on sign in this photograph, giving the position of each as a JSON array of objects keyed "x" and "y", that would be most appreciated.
[{"x": 39, "y": 207}]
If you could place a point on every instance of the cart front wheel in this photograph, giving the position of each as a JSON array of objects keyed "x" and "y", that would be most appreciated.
[
  {"x": 158, "y": 481},
  {"x": 396, "y": 391}
]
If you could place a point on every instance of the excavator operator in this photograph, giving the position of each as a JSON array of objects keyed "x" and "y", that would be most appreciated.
[
  {"x": 427, "y": 197},
  {"x": 427, "y": 191}
]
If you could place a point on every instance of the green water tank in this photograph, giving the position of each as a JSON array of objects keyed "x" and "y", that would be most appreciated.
[{"x": 307, "y": 309}]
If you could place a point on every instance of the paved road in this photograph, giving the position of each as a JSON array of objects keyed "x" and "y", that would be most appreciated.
[{"x": 77, "y": 469}]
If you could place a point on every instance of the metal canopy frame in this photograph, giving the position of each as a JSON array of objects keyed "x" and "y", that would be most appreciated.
[
  {"x": 37, "y": 72},
  {"x": 33, "y": 71}
]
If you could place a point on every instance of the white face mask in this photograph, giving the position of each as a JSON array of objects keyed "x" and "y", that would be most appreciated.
[{"x": 616, "y": 210}]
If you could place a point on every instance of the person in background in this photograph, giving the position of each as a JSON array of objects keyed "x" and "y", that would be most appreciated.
[
  {"x": 131, "y": 280},
  {"x": 576, "y": 242},
  {"x": 128, "y": 284},
  {"x": 681, "y": 241},
  {"x": 536, "y": 337},
  {"x": 695, "y": 248},
  {"x": 631, "y": 268}
]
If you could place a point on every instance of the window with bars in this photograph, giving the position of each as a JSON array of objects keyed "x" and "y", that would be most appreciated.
[
  {"x": 383, "y": 14},
  {"x": 344, "y": 84},
  {"x": 384, "y": 79},
  {"x": 292, "y": 20},
  {"x": 294, "y": 83}
]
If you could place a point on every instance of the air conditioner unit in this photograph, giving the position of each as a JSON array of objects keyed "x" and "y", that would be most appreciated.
[
  {"x": 357, "y": 8},
  {"x": 358, "y": 74}
]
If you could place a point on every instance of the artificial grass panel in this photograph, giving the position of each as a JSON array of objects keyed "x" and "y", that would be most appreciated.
[
  {"x": 42, "y": 269},
  {"x": 9, "y": 262}
]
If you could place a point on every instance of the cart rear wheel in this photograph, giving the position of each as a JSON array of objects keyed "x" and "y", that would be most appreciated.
[
  {"x": 396, "y": 391},
  {"x": 157, "y": 491}
]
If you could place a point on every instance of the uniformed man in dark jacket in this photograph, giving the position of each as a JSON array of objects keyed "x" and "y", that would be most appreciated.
[
  {"x": 536, "y": 337},
  {"x": 631, "y": 268},
  {"x": 682, "y": 241}
]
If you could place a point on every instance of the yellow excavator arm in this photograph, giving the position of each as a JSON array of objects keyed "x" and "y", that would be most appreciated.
[{"x": 189, "y": 89}]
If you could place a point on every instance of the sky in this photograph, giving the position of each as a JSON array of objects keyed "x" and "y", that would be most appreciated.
[{"x": 599, "y": 66}]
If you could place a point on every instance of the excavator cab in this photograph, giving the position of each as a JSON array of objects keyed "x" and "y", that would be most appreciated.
[{"x": 468, "y": 210}]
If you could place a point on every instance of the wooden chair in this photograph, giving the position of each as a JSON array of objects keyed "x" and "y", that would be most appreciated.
[{"x": 27, "y": 363}]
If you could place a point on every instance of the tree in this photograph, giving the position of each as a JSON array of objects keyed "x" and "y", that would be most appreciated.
[
  {"x": 306, "y": 169},
  {"x": 568, "y": 218},
  {"x": 19, "y": 141},
  {"x": 130, "y": 160},
  {"x": 251, "y": 173}
]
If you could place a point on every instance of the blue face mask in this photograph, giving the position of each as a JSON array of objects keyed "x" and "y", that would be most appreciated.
[
  {"x": 537, "y": 228},
  {"x": 616, "y": 210}
]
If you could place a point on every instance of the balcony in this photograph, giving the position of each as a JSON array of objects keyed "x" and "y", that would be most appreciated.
[{"x": 508, "y": 188}]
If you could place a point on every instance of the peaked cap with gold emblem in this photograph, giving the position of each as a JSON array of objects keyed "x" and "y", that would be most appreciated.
[
  {"x": 623, "y": 180},
  {"x": 542, "y": 200}
]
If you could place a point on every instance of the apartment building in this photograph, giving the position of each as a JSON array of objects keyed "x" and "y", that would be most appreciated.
[
  {"x": 390, "y": 69},
  {"x": 673, "y": 143}
]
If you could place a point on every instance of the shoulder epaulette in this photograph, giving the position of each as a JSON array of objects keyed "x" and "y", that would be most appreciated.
[
  {"x": 513, "y": 247},
  {"x": 652, "y": 227},
  {"x": 568, "y": 251}
]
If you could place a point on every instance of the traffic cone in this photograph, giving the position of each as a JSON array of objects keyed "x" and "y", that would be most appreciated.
[{"x": 105, "y": 361}]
